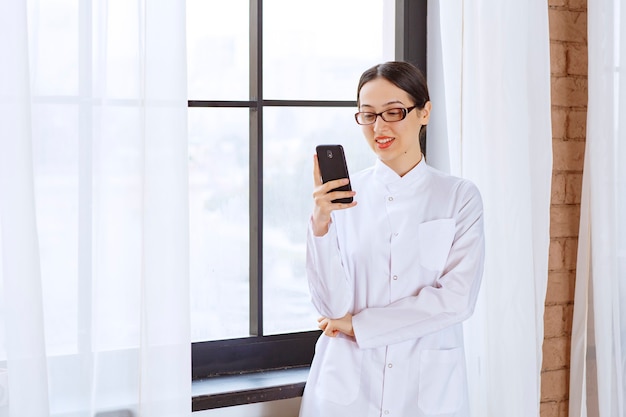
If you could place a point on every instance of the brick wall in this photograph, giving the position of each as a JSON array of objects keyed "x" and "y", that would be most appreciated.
[{"x": 568, "y": 50}]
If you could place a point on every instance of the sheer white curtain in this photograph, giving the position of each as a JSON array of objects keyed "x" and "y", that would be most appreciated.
[
  {"x": 94, "y": 293},
  {"x": 489, "y": 74},
  {"x": 598, "y": 356}
]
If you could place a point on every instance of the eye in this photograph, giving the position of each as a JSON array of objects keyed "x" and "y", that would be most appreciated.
[
  {"x": 368, "y": 117},
  {"x": 394, "y": 113}
]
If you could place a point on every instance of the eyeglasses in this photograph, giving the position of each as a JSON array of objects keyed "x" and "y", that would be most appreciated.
[{"x": 391, "y": 115}]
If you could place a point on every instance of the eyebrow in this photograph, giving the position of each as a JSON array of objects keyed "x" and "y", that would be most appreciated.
[{"x": 384, "y": 105}]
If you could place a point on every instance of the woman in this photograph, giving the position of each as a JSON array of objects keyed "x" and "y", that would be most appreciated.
[{"x": 396, "y": 272}]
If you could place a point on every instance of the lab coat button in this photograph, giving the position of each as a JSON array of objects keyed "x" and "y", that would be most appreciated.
[
  {"x": 390, "y": 198},
  {"x": 390, "y": 365},
  {"x": 395, "y": 277},
  {"x": 386, "y": 412}
]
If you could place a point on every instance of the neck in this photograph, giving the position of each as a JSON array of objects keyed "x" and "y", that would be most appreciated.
[{"x": 403, "y": 165}]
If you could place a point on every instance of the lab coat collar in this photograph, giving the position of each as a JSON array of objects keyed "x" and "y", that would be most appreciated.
[{"x": 390, "y": 178}]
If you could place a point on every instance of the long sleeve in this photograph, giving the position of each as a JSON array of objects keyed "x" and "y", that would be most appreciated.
[
  {"x": 448, "y": 301},
  {"x": 407, "y": 263},
  {"x": 328, "y": 282}
]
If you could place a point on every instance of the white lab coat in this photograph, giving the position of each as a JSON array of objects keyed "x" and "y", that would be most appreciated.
[{"x": 407, "y": 262}]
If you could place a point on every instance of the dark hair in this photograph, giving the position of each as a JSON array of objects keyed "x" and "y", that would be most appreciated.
[{"x": 405, "y": 76}]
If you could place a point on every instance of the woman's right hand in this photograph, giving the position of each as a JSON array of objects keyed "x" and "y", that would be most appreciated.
[
  {"x": 323, "y": 200},
  {"x": 332, "y": 328}
]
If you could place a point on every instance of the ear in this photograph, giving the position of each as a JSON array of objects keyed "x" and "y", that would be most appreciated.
[{"x": 425, "y": 113}]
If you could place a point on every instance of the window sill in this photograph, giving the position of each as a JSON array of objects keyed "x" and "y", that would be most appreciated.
[{"x": 228, "y": 391}]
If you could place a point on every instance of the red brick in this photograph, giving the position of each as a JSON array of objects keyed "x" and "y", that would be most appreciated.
[
  {"x": 556, "y": 353},
  {"x": 570, "y": 253},
  {"x": 577, "y": 124},
  {"x": 564, "y": 220},
  {"x": 569, "y": 62},
  {"x": 568, "y": 316},
  {"x": 559, "y": 122},
  {"x": 560, "y": 288},
  {"x": 568, "y": 26},
  {"x": 557, "y": 3},
  {"x": 568, "y": 155},
  {"x": 569, "y": 91},
  {"x": 573, "y": 187},
  {"x": 576, "y": 57},
  {"x": 549, "y": 409},
  {"x": 558, "y": 187},
  {"x": 558, "y": 58},
  {"x": 580, "y": 5},
  {"x": 556, "y": 257},
  {"x": 553, "y": 321},
  {"x": 554, "y": 385}
]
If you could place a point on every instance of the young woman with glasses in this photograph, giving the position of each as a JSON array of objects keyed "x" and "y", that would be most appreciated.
[{"x": 394, "y": 273}]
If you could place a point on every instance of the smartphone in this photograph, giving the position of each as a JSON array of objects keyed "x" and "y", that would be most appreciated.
[{"x": 332, "y": 161}]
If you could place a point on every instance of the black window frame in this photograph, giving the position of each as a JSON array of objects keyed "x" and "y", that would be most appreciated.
[{"x": 260, "y": 352}]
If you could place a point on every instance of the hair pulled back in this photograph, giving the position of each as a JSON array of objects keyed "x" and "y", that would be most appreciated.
[
  {"x": 406, "y": 77},
  {"x": 403, "y": 75}
]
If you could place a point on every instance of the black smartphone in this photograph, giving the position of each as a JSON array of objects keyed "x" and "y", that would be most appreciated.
[{"x": 332, "y": 161}]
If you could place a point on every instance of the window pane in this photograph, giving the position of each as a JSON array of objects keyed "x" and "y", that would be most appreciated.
[
  {"x": 290, "y": 137},
  {"x": 328, "y": 43},
  {"x": 219, "y": 222},
  {"x": 218, "y": 50}
]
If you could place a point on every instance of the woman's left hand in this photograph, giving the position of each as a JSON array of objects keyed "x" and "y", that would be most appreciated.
[{"x": 332, "y": 327}]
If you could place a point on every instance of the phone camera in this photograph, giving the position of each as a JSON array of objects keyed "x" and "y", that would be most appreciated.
[{"x": 329, "y": 153}]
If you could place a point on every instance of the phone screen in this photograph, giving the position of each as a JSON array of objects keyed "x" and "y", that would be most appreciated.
[{"x": 332, "y": 161}]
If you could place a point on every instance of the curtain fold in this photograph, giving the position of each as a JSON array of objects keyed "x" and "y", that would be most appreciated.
[
  {"x": 489, "y": 64},
  {"x": 94, "y": 280},
  {"x": 21, "y": 299},
  {"x": 598, "y": 349}
]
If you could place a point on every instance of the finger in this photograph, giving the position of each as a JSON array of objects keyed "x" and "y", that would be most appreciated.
[
  {"x": 342, "y": 206},
  {"x": 331, "y": 185},
  {"x": 336, "y": 195},
  {"x": 331, "y": 332},
  {"x": 317, "y": 174},
  {"x": 323, "y": 324}
]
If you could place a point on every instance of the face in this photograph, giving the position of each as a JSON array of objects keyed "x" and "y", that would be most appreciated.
[{"x": 395, "y": 143}]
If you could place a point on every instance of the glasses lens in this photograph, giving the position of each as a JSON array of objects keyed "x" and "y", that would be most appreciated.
[
  {"x": 365, "y": 118},
  {"x": 394, "y": 115}
]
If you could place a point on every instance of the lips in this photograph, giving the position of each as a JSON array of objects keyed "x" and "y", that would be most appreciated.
[{"x": 384, "y": 142}]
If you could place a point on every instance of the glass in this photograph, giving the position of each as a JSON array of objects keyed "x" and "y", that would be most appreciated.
[
  {"x": 318, "y": 50},
  {"x": 219, "y": 223},
  {"x": 291, "y": 135},
  {"x": 391, "y": 115},
  {"x": 300, "y": 62},
  {"x": 218, "y": 50}
]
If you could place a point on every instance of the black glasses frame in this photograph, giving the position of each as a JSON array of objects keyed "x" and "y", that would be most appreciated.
[{"x": 405, "y": 111}]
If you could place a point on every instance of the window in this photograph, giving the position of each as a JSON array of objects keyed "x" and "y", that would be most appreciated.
[{"x": 269, "y": 80}]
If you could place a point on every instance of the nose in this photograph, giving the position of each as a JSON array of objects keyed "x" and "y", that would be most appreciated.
[{"x": 379, "y": 124}]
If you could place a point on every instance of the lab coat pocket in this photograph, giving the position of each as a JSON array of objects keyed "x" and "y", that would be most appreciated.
[
  {"x": 340, "y": 378},
  {"x": 435, "y": 240},
  {"x": 441, "y": 381}
]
